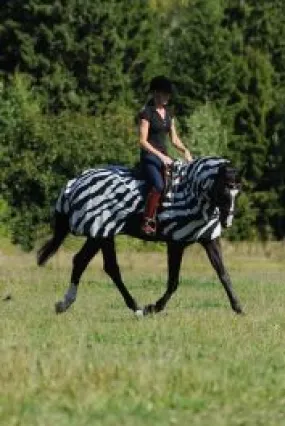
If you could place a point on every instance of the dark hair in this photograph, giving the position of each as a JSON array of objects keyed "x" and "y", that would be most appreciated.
[{"x": 161, "y": 84}]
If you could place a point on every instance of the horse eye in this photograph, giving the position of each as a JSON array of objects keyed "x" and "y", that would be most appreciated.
[{"x": 231, "y": 185}]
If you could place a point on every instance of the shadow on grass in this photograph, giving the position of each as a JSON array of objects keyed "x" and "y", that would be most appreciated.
[
  {"x": 207, "y": 304},
  {"x": 197, "y": 283}
]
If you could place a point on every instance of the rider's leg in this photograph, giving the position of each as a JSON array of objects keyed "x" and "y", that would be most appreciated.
[{"x": 154, "y": 178}]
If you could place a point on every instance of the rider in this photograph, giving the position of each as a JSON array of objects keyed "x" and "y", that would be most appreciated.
[{"x": 155, "y": 122}]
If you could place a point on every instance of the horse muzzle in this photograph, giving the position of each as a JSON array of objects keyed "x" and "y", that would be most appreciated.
[{"x": 227, "y": 221}]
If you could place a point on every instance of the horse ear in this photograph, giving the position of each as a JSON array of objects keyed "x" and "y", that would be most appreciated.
[
  {"x": 223, "y": 169},
  {"x": 228, "y": 171}
]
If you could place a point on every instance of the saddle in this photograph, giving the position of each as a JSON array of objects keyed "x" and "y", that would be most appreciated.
[{"x": 167, "y": 173}]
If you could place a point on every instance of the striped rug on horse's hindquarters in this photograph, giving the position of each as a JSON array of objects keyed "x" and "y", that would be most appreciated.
[{"x": 100, "y": 201}]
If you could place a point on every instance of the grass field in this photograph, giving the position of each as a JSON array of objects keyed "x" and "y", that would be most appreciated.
[{"x": 196, "y": 363}]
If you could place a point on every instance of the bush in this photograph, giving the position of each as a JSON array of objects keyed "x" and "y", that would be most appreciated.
[
  {"x": 207, "y": 134},
  {"x": 40, "y": 153}
]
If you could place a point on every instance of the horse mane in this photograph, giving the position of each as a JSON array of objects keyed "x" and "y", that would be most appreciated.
[{"x": 200, "y": 174}]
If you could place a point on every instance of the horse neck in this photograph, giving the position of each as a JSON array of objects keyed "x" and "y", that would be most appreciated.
[{"x": 202, "y": 174}]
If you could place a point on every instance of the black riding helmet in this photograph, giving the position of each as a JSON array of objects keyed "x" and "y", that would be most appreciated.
[{"x": 161, "y": 84}]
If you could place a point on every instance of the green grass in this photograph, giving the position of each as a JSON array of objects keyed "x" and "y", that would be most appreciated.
[{"x": 196, "y": 363}]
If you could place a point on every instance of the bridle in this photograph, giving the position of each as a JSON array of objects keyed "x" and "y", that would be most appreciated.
[{"x": 233, "y": 188}]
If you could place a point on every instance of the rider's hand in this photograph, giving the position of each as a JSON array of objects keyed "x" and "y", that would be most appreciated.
[
  {"x": 167, "y": 161},
  {"x": 188, "y": 156}
]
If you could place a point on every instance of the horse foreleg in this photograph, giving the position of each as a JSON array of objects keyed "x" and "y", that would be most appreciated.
[
  {"x": 80, "y": 262},
  {"x": 112, "y": 269},
  {"x": 214, "y": 252},
  {"x": 174, "y": 258}
]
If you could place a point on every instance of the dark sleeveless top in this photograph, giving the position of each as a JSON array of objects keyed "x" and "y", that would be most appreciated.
[{"x": 159, "y": 128}]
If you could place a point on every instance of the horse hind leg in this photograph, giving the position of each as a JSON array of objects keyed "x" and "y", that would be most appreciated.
[
  {"x": 80, "y": 262},
  {"x": 112, "y": 269}
]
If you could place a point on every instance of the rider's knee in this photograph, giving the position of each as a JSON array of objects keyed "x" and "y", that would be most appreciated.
[{"x": 159, "y": 186}]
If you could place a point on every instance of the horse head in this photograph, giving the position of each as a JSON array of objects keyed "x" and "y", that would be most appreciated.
[{"x": 225, "y": 191}]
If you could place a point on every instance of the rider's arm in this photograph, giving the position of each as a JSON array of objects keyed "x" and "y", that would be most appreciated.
[{"x": 177, "y": 142}]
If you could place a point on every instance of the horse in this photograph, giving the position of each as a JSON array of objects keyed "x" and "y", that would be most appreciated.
[{"x": 103, "y": 202}]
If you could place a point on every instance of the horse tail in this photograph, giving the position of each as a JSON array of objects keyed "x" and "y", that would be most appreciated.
[{"x": 60, "y": 231}]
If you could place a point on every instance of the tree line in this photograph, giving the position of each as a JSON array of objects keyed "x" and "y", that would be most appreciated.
[{"x": 74, "y": 73}]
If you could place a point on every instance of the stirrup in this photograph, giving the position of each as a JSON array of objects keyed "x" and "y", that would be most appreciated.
[{"x": 149, "y": 226}]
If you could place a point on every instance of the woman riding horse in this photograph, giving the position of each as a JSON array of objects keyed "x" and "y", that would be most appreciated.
[
  {"x": 104, "y": 202},
  {"x": 156, "y": 122}
]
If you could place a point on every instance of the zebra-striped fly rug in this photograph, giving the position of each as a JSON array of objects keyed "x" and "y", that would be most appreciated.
[{"x": 103, "y": 202}]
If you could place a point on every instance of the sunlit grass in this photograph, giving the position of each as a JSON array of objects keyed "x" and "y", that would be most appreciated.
[{"x": 195, "y": 363}]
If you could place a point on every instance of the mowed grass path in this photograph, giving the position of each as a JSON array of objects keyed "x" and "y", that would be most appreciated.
[{"x": 197, "y": 363}]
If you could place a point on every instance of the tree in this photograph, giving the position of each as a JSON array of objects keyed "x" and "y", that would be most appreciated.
[
  {"x": 207, "y": 134},
  {"x": 199, "y": 55},
  {"x": 40, "y": 153},
  {"x": 83, "y": 54},
  {"x": 258, "y": 29}
]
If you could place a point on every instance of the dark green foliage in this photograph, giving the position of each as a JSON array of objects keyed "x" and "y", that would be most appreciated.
[
  {"x": 257, "y": 100},
  {"x": 90, "y": 54},
  {"x": 199, "y": 55},
  {"x": 39, "y": 153}
]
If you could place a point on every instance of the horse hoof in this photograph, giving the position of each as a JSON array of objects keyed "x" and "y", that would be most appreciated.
[
  {"x": 238, "y": 310},
  {"x": 139, "y": 313},
  {"x": 60, "y": 307},
  {"x": 149, "y": 310}
]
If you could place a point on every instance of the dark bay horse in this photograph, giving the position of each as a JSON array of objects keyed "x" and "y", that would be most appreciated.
[{"x": 104, "y": 202}]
